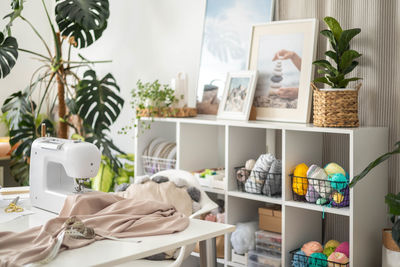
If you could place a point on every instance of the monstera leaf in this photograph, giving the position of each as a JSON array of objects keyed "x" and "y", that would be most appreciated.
[
  {"x": 97, "y": 101},
  {"x": 19, "y": 168},
  {"x": 24, "y": 135},
  {"x": 8, "y": 54},
  {"x": 82, "y": 20},
  {"x": 16, "y": 105}
]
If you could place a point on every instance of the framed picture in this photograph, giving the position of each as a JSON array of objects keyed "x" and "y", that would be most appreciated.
[
  {"x": 238, "y": 95},
  {"x": 283, "y": 53},
  {"x": 225, "y": 45}
]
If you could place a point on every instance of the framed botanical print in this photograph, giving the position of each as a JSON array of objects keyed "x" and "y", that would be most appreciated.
[
  {"x": 238, "y": 95},
  {"x": 283, "y": 53},
  {"x": 225, "y": 45}
]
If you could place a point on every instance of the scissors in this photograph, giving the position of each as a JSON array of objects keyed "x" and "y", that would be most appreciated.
[{"x": 12, "y": 207}]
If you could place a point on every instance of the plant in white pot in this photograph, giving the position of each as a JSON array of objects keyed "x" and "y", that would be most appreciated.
[
  {"x": 390, "y": 237},
  {"x": 337, "y": 107}
]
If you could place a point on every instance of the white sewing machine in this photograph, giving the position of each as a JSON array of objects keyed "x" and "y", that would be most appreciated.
[{"x": 58, "y": 167}]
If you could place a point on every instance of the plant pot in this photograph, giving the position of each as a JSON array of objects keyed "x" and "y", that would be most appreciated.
[
  {"x": 336, "y": 107},
  {"x": 390, "y": 250}
]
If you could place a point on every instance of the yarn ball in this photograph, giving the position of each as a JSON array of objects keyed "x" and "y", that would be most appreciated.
[
  {"x": 337, "y": 197},
  {"x": 312, "y": 247},
  {"x": 250, "y": 164},
  {"x": 141, "y": 179},
  {"x": 332, "y": 168},
  {"x": 332, "y": 244},
  {"x": 264, "y": 162},
  {"x": 338, "y": 181},
  {"x": 194, "y": 193},
  {"x": 321, "y": 201},
  {"x": 317, "y": 260},
  {"x": 299, "y": 259},
  {"x": 345, "y": 201},
  {"x": 160, "y": 179},
  {"x": 319, "y": 180},
  {"x": 276, "y": 166},
  {"x": 243, "y": 238},
  {"x": 337, "y": 257},
  {"x": 328, "y": 251},
  {"x": 343, "y": 248},
  {"x": 312, "y": 195},
  {"x": 300, "y": 182}
]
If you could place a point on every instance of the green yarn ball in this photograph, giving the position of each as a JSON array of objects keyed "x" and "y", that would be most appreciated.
[
  {"x": 317, "y": 260},
  {"x": 328, "y": 251}
]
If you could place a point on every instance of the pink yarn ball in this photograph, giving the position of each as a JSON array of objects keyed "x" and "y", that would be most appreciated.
[
  {"x": 312, "y": 247},
  {"x": 337, "y": 257},
  {"x": 344, "y": 248}
]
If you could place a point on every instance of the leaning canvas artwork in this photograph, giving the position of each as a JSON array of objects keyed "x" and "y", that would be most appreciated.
[{"x": 225, "y": 46}]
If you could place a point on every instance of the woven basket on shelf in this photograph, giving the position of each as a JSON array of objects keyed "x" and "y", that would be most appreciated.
[
  {"x": 167, "y": 112},
  {"x": 336, "y": 108}
]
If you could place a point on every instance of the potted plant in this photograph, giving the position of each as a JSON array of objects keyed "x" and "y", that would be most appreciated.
[
  {"x": 338, "y": 106},
  {"x": 67, "y": 98},
  {"x": 391, "y": 237},
  {"x": 155, "y": 100}
]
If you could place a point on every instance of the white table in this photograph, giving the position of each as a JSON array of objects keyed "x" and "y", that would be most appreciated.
[{"x": 110, "y": 253}]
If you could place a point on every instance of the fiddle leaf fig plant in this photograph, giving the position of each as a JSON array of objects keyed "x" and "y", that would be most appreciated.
[
  {"x": 392, "y": 200},
  {"x": 343, "y": 57},
  {"x": 67, "y": 99}
]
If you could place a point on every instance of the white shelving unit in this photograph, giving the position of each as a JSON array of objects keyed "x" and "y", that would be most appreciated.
[{"x": 205, "y": 142}]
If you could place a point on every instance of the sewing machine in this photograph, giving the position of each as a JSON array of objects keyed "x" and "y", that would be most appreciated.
[{"x": 59, "y": 167}]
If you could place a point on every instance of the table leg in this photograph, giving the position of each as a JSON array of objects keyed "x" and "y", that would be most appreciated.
[{"x": 208, "y": 258}]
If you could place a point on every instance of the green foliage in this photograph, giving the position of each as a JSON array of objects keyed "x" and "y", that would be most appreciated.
[
  {"x": 8, "y": 54},
  {"x": 85, "y": 21},
  {"x": 15, "y": 106},
  {"x": 343, "y": 57},
  {"x": 150, "y": 96},
  {"x": 17, "y": 6},
  {"x": 105, "y": 104}
]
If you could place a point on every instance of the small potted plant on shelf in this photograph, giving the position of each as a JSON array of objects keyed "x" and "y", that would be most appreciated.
[
  {"x": 391, "y": 237},
  {"x": 156, "y": 100},
  {"x": 337, "y": 106}
]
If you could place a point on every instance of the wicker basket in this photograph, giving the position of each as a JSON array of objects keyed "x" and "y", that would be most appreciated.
[
  {"x": 336, "y": 108},
  {"x": 167, "y": 112}
]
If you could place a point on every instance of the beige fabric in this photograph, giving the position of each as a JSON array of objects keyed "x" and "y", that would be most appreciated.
[
  {"x": 164, "y": 192},
  {"x": 108, "y": 214}
]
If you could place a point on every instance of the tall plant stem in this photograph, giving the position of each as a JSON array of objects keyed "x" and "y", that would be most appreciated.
[
  {"x": 45, "y": 92},
  {"x": 62, "y": 126},
  {"x": 87, "y": 61},
  {"x": 38, "y": 34},
  {"x": 34, "y": 53},
  {"x": 56, "y": 37}
]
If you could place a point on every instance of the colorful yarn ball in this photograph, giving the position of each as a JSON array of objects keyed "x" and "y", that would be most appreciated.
[
  {"x": 337, "y": 197},
  {"x": 343, "y": 248},
  {"x": 299, "y": 259},
  {"x": 312, "y": 195},
  {"x": 337, "y": 257},
  {"x": 321, "y": 201},
  {"x": 312, "y": 247},
  {"x": 345, "y": 201},
  {"x": 332, "y": 244},
  {"x": 332, "y": 168},
  {"x": 338, "y": 181},
  {"x": 328, "y": 251},
  {"x": 300, "y": 182},
  {"x": 319, "y": 179},
  {"x": 317, "y": 260}
]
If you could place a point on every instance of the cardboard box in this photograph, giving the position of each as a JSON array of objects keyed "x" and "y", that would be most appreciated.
[{"x": 270, "y": 219}]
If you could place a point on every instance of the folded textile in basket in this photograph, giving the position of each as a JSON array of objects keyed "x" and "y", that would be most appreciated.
[
  {"x": 319, "y": 180},
  {"x": 273, "y": 183}
]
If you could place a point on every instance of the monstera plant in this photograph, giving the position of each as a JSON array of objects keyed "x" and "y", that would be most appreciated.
[{"x": 71, "y": 95}]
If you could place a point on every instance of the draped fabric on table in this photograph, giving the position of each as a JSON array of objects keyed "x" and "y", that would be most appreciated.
[{"x": 379, "y": 42}]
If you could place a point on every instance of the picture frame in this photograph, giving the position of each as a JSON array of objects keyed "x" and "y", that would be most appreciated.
[
  {"x": 225, "y": 45},
  {"x": 283, "y": 53},
  {"x": 238, "y": 95}
]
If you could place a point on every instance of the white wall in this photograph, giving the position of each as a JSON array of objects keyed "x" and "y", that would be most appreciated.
[{"x": 146, "y": 39}]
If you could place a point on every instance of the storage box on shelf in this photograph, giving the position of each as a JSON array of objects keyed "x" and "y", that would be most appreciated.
[
  {"x": 259, "y": 258},
  {"x": 204, "y": 141},
  {"x": 270, "y": 219},
  {"x": 238, "y": 258}
]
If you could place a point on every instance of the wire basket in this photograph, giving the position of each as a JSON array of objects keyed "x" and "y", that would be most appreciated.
[
  {"x": 321, "y": 192},
  {"x": 258, "y": 182},
  {"x": 303, "y": 260},
  {"x": 152, "y": 165}
]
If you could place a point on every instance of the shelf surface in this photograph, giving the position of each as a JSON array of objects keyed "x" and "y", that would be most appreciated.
[
  {"x": 212, "y": 120},
  {"x": 309, "y": 206},
  {"x": 235, "y": 264},
  {"x": 274, "y": 200}
]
